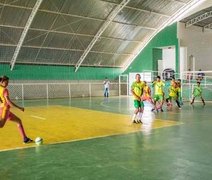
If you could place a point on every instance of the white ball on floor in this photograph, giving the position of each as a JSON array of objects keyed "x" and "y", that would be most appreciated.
[{"x": 38, "y": 141}]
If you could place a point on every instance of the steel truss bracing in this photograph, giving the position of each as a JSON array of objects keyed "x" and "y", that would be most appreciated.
[
  {"x": 110, "y": 18},
  {"x": 198, "y": 19},
  {"x": 24, "y": 33},
  {"x": 208, "y": 26}
]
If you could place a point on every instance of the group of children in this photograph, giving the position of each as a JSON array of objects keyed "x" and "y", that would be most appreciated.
[
  {"x": 142, "y": 92},
  {"x": 5, "y": 113}
]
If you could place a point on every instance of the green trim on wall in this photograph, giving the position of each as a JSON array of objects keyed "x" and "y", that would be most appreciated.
[
  {"x": 145, "y": 60},
  {"x": 39, "y": 72}
]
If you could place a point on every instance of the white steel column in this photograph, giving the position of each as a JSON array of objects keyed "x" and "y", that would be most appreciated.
[
  {"x": 110, "y": 18},
  {"x": 24, "y": 33}
]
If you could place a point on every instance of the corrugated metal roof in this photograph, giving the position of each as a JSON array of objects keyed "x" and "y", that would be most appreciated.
[{"x": 63, "y": 29}]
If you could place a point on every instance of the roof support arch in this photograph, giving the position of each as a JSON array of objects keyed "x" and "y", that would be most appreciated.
[
  {"x": 110, "y": 18},
  {"x": 24, "y": 33}
]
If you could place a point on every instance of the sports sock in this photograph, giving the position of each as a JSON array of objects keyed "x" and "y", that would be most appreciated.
[
  {"x": 140, "y": 115},
  {"x": 134, "y": 117}
]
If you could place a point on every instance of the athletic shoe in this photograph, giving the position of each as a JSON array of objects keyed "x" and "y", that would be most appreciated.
[
  {"x": 139, "y": 121},
  {"x": 27, "y": 140},
  {"x": 161, "y": 110},
  {"x": 152, "y": 109},
  {"x": 135, "y": 122}
]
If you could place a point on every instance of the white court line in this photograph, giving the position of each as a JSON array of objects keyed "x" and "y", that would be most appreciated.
[
  {"x": 89, "y": 138},
  {"x": 38, "y": 117}
]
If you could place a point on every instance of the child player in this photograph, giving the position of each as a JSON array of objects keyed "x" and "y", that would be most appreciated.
[
  {"x": 179, "y": 91},
  {"x": 173, "y": 94},
  {"x": 147, "y": 93},
  {"x": 197, "y": 92},
  {"x": 158, "y": 94},
  {"x": 5, "y": 105},
  {"x": 137, "y": 91}
]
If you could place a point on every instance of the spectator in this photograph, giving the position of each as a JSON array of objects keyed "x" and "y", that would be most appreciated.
[
  {"x": 200, "y": 75},
  {"x": 106, "y": 87}
]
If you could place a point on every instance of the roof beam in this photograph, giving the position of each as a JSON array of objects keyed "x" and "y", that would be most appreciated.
[
  {"x": 65, "y": 49},
  {"x": 110, "y": 18},
  {"x": 64, "y": 64},
  {"x": 178, "y": 1},
  {"x": 24, "y": 33},
  {"x": 147, "y": 11},
  {"x": 48, "y": 11},
  {"x": 143, "y": 10},
  {"x": 198, "y": 19}
]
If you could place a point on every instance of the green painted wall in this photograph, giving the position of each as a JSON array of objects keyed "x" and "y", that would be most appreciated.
[
  {"x": 38, "y": 72},
  {"x": 144, "y": 61},
  {"x": 157, "y": 54}
]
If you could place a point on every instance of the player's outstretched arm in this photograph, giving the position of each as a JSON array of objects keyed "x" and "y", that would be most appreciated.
[{"x": 13, "y": 104}]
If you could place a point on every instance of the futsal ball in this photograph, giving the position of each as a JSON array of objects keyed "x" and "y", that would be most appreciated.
[{"x": 38, "y": 141}]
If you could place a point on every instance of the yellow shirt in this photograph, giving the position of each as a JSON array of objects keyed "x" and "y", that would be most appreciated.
[
  {"x": 137, "y": 88},
  {"x": 158, "y": 87},
  {"x": 173, "y": 91},
  {"x": 3, "y": 93},
  {"x": 146, "y": 91}
]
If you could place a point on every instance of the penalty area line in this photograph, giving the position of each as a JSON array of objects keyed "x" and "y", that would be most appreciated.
[{"x": 38, "y": 117}]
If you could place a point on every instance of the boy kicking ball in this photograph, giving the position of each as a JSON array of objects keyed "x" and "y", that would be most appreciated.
[{"x": 6, "y": 114}]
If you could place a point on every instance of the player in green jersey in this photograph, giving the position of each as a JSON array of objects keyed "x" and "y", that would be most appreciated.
[{"x": 197, "y": 92}]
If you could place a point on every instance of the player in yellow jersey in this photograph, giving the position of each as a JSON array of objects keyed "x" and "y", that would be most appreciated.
[
  {"x": 174, "y": 91},
  {"x": 158, "y": 94},
  {"x": 137, "y": 91},
  {"x": 179, "y": 91},
  {"x": 5, "y": 105},
  {"x": 147, "y": 93}
]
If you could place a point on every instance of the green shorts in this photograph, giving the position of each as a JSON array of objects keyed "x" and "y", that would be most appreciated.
[
  {"x": 172, "y": 97},
  {"x": 197, "y": 95},
  {"x": 158, "y": 97},
  {"x": 138, "y": 104}
]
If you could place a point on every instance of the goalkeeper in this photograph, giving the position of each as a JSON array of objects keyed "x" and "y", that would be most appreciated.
[{"x": 197, "y": 92}]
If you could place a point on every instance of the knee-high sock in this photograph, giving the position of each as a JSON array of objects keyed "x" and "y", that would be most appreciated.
[
  {"x": 140, "y": 115},
  {"x": 134, "y": 117}
]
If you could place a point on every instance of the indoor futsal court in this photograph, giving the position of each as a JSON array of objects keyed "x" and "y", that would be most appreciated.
[{"x": 105, "y": 89}]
